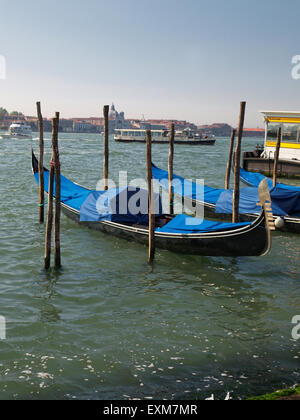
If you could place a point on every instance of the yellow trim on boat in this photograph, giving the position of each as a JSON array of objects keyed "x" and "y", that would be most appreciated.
[
  {"x": 284, "y": 120},
  {"x": 283, "y": 145}
]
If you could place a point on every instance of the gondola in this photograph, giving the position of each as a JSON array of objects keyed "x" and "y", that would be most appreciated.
[
  {"x": 178, "y": 233},
  {"x": 218, "y": 202}
]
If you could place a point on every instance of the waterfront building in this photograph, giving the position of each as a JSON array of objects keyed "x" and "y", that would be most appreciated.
[{"x": 117, "y": 120}]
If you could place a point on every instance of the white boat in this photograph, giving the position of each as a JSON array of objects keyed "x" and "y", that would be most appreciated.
[
  {"x": 189, "y": 135},
  {"x": 20, "y": 129},
  {"x": 162, "y": 137}
]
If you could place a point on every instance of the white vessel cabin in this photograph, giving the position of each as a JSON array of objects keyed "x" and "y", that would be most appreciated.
[
  {"x": 262, "y": 159},
  {"x": 20, "y": 129},
  {"x": 290, "y": 138},
  {"x": 162, "y": 136}
]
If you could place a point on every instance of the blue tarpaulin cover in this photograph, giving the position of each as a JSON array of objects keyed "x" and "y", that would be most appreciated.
[
  {"x": 285, "y": 199},
  {"x": 113, "y": 205},
  {"x": 126, "y": 205},
  {"x": 186, "y": 225},
  {"x": 253, "y": 179},
  {"x": 248, "y": 202},
  {"x": 186, "y": 188},
  {"x": 72, "y": 194}
]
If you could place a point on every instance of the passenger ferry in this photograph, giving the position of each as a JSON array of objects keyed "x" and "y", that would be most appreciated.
[
  {"x": 262, "y": 159},
  {"x": 20, "y": 129},
  {"x": 162, "y": 137}
]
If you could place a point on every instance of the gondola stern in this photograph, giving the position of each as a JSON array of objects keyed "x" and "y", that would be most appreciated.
[
  {"x": 266, "y": 203},
  {"x": 34, "y": 162}
]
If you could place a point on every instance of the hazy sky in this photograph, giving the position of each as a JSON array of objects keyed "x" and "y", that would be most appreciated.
[{"x": 193, "y": 59}]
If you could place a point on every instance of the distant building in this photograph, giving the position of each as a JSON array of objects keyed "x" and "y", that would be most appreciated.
[
  {"x": 146, "y": 125},
  {"x": 7, "y": 120},
  {"x": 179, "y": 125},
  {"x": 117, "y": 120},
  {"x": 82, "y": 127},
  {"x": 220, "y": 129},
  {"x": 92, "y": 124},
  {"x": 254, "y": 132},
  {"x": 66, "y": 125}
]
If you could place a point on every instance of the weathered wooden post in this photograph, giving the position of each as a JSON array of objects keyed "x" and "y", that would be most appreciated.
[
  {"x": 56, "y": 164},
  {"x": 229, "y": 163},
  {"x": 171, "y": 168},
  {"x": 276, "y": 157},
  {"x": 237, "y": 165},
  {"x": 41, "y": 164},
  {"x": 150, "y": 198},
  {"x": 106, "y": 146},
  {"x": 49, "y": 225}
]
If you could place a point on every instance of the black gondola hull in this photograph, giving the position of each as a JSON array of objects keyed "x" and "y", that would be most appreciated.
[{"x": 251, "y": 241}]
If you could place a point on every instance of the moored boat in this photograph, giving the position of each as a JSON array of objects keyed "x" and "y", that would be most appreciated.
[
  {"x": 183, "y": 234},
  {"x": 218, "y": 202},
  {"x": 162, "y": 137}
]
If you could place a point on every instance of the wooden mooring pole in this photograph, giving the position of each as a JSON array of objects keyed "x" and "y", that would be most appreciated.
[
  {"x": 171, "y": 169},
  {"x": 276, "y": 157},
  {"x": 56, "y": 163},
  {"x": 229, "y": 163},
  {"x": 53, "y": 172},
  {"x": 237, "y": 165},
  {"x": 106, "y": 146},
  {"x": 49, "y": 225},
  {"x": 41, "y": 164},
  {"x": 150, "y": 198}
]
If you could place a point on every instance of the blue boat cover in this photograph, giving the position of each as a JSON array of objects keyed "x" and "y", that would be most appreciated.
[
  {"x": 72, "y": 195},
  {"x": 285, "y": 199},
  {"x": 184, "y": 224},
  {"x": 254, "y": 179},
  {"x": 126, "y": 205},
  {"x": 248, "y": 203},
  {"x": 185, "y": 187}
]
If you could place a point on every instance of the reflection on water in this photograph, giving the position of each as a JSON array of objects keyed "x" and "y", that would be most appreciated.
[{"x": 109, "y": 326}]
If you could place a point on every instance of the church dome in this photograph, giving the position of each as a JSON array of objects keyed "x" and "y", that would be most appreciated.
[{"x": 113, "y": 113}]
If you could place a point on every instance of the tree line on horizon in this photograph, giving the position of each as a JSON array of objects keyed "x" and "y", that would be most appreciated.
[{"x": 5, "y": 113}]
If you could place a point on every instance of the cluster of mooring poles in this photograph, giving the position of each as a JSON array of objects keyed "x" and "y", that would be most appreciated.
[
  {"x": 54, "y": 181},
  {"x": 236, "y": 157}
]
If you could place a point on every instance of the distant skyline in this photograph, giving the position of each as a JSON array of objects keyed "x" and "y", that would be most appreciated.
[{"x": 194, "y": 60}]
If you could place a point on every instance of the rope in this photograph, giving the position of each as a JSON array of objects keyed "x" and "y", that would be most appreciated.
[
  {"x": 47, "y": 202},
  {"x": 42, "y": 205},
  {"x": 54, "y": 164}
]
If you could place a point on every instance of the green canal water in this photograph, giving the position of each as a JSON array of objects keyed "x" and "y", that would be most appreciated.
[{"x": 107, "y": 326}]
